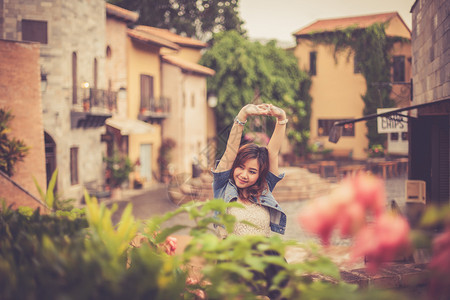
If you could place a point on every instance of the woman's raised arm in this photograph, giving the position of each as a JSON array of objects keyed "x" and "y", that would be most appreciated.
[
  {"x": 276, "y": 140},
  {"x": 234, "y": 140}
]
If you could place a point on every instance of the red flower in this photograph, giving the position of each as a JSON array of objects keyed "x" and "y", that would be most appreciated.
[
  {"x": 345, "y": 208},
  {"x": 382, "y": 241},
  {"x": 369, "y": 192},
  {"x": 170, "y": 245},
  {"x": 319, "y": 219}
]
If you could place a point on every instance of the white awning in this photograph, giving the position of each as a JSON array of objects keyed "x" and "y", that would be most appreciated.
[{"x": 129, "y": 126}]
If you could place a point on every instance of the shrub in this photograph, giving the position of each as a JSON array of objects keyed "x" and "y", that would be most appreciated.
[{"x": 54, "y": 257}]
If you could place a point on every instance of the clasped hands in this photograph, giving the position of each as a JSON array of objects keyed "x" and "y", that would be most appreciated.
[{"x": 264, "y": 109}]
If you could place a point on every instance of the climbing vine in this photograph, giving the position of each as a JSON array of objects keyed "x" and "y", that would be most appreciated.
[{"x": 371, "y": 47}]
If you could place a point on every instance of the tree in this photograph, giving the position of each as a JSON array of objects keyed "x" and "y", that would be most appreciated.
[
  {"x": 193, "y": 18},
  {"x": 246, "y": 71},
  {"x": 11, "y": 150}
]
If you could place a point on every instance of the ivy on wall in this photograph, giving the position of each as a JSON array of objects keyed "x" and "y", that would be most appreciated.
[{"x": 371, "y": 47}]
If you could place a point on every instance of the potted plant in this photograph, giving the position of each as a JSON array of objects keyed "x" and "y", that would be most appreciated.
[
  {"x": 377, "y": 150},
  {"x": 164, "y": 158},
  {"x": 118, "y": 169}
]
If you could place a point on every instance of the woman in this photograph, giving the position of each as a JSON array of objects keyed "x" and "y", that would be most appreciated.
[{"x": 248, "y": 175}]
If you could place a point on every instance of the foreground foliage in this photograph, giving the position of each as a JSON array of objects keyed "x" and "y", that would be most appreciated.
[{"x": 89, "y": 257}]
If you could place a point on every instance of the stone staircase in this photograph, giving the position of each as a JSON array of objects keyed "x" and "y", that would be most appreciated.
[
  {"x": 301, "y": 184},
  {"x": 298, "y": 184}
]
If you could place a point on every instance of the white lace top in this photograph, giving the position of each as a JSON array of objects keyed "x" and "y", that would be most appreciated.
[{"x": 253, "y": 213}]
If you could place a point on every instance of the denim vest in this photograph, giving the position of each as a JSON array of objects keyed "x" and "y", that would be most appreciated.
[{"x": 225, "y": 189}]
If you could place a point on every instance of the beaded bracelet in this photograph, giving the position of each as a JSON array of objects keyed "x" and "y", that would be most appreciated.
[
  {"x": 283, "y": 122},
  {"x": 236, "y": 120}
]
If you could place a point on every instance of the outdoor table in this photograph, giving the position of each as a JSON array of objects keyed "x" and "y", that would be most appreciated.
[{"x": 350, "y": 170}]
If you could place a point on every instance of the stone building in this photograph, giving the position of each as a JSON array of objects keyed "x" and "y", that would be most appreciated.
[
  {"x": 430, "y": 122},
  {"x": 75, "y": 100}
]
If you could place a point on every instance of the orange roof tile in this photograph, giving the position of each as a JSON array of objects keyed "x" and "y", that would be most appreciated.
[
  {"x": 328, "y": 25},
  {"x": 151, "y": 39},
  {"x": 188, "y": 66},
  {"x": 121, "y": 13},
  {"x": 173, "y": 37}
]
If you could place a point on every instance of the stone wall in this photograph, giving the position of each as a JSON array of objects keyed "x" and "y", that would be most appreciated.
[
  {"x": 430, "y": 41},
  {"x": 79, "y": 27}
]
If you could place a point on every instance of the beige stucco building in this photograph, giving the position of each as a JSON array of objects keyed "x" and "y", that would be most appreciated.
[
  {"x": 337, "y": 87},
  {"x": 190, "y": 122},
  {"x": 134, "y": 68}
]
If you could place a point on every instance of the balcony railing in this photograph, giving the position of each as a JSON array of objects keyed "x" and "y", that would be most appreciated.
[
  {"x": 96, "y": 100},
  {"x": 154, "y": 108},
  {"x": 91, "y": 107}
]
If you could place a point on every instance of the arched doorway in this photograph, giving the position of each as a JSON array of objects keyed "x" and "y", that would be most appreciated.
[{"x": 50, "y": 156}]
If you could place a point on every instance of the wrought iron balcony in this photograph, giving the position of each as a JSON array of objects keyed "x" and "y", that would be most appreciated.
[
  {"x": 154, "y": 109},
  {"x": 91, "y": 107}
]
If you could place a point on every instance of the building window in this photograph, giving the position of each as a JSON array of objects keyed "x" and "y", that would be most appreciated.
[
  {"x": 193, "y": 100},
  {"x": 74, "y": 165},
  {"x": 34, "y": 31},
  {"x": 394, "y": 136},
  {"x": 399, "y": 69},
  {"x": 108, "y": 52},
  {"x": 356, "y": 66},
  {"x": 312, "y": 63},
  {"x": 325, "y": 126},
  {"x": 404, "y": 136},
  {"x": 95, "y": 73},
  {"x": 74, "y": 78},
  {"x": 146, "y": 88}
]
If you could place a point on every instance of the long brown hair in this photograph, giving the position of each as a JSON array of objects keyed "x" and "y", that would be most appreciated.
[{"x": 252, "y": 151}]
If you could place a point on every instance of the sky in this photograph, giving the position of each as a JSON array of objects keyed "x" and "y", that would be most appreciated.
[{"x": 279, "y": 19}]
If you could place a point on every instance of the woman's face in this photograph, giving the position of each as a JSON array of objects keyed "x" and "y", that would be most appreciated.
[{"x": 246, "y": 174}]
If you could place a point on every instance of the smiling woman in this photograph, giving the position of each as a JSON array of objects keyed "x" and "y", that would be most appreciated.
[{"x": 249, "y": 174}]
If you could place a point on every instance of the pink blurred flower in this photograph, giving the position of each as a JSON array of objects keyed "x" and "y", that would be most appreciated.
[
  {"x": 369, "y": 192},
  {"x": 170, "y": 245},
  {"x": 382, "y": 241},
  {"x": 319, "y": 219},
  {"x": 345, "y": 208}
]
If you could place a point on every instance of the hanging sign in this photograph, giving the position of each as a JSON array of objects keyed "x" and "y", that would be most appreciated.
[{"x": 393, "y": 123}]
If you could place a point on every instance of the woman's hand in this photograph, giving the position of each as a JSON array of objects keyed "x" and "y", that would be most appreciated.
[
  {"x": 253, "y": 110},
  {"x": 277, "y": 112}
]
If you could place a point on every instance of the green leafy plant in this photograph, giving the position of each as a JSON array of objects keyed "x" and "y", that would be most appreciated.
[
  {"x": 377, "y": 150},
  {"x": 165, "y": 156},
  {"x": 54, "y": 257},
  {"x": 12, "y": 150},
  {"x": 118, "y": 167},
  {"x": 62, "y": 207}
]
